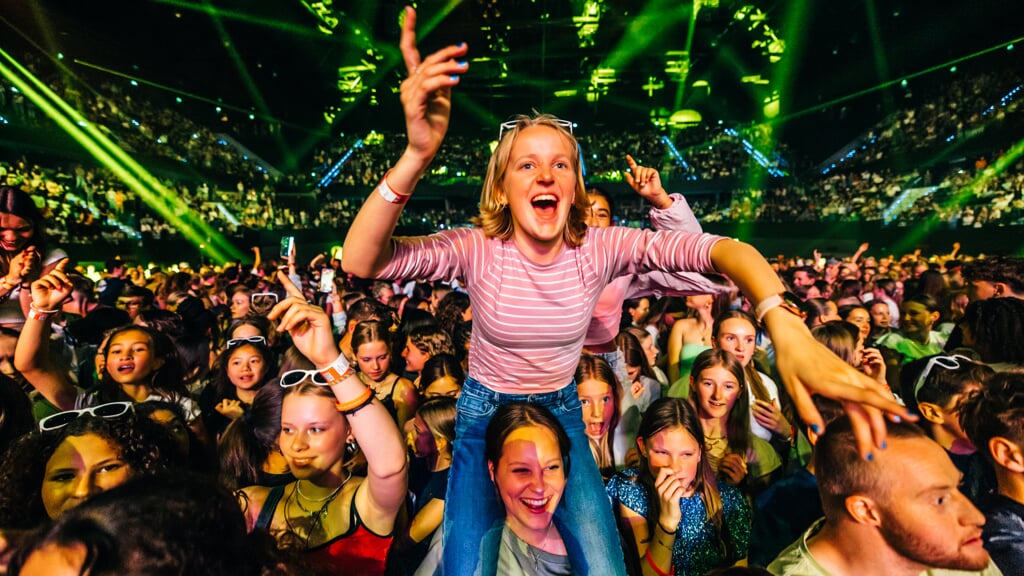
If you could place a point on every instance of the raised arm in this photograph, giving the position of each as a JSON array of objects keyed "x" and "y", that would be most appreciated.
[
  {"x": 372, "y": 426},
  {"x": 426, "y": 100},
  {"x": 32, "y": 353},
  {"x": 807, "y": 367}
]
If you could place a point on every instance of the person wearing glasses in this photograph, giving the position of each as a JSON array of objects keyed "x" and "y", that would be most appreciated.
[
  {"x": 343, "y": 520},
  {"x": 73, "y": 456},
  {"x": 534, "y": 272},
  {"x": 245, "y": 366}
]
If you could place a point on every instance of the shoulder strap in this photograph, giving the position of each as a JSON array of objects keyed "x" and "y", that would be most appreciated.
[{"x": 269, "y": 506}]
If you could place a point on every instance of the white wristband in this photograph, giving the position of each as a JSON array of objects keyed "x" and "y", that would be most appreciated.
[{"x": 338, "y": 371}]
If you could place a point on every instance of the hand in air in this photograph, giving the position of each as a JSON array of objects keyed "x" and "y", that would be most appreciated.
[
  {"x": 50, "y": 291},
  {"x": 427, "y": 92},
  {"x": 647, "y": 183},
  {"x": 308, "y": 325}
]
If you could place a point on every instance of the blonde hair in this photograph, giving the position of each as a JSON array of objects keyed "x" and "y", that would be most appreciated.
[{"x": 495, "y": 217}]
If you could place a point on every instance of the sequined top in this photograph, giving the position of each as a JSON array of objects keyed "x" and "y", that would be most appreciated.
[{"x": 694, "y": 553}]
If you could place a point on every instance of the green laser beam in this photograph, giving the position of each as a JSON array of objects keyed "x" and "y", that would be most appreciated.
[{"x": 149, "y": 189}]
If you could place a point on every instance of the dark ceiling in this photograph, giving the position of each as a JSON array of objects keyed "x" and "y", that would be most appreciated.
[{"x": 270, "y": 58}]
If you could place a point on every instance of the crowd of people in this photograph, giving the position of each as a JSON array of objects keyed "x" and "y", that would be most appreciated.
[{"x": 543, "y": 393}]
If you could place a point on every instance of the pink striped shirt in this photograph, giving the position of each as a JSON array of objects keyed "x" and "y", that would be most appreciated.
[{"x": 529, "y": 320}]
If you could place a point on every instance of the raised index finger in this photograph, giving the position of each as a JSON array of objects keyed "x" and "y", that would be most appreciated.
[
  {"x": 408, "y": 42},
  {"x": 289, "y": 286},
  {"x": 630, "y": 162}
]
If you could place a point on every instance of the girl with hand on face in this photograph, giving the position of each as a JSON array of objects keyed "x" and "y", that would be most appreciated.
[
  {"x": 136, "y": 363},
  {"x": 736, "y": 331},
  {"x": 676, "y": 518},
  {"x": 24, "y": 255},
  {"x": 244, "y": 367},
  {"x": 643, "y": 387},
  {"x": 371, "y": 343},
  {"x": 734, "y": 453},
  {"x": 534, "y": 273},
  {"x": 343, "y": 522}
]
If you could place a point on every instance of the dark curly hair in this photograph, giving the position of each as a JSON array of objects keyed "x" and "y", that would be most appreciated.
[
  {"x": 143, "y": 445},
  {"x": 450, "y": 310}
]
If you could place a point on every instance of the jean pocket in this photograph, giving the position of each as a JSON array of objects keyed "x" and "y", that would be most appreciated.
[
  {"x": 571, "y": 403},
  {"x": 474, "y": 407}
]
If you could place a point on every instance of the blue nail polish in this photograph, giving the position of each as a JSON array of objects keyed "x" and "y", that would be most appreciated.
[
  {"x": 884, "y": 444},
  {"x": 869, "y": 457},
  {"x": 454, "y": 77},
  {"x": 815, "y": 428},
  {"x": 461, "y": 44},
  {"x": 897, "y": 419},
  {"x": 463, "y": 63}
]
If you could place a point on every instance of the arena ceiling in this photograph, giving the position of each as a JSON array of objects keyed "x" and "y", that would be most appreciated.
[{"x": 611, "y": 64}]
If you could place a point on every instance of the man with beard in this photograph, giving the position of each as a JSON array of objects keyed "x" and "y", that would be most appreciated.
[{"x": 897, "y": 513}]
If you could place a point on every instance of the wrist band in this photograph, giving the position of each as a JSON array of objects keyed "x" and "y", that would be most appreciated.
[
  {"x": 356, "y": 404},
  {"x": 669, "y": 532},
  {"x": 390, "y": 195},
  {"x": 657, "y": 570},
  {"x": 37, "y": 314},
  {"x": 338, "y": 371}
]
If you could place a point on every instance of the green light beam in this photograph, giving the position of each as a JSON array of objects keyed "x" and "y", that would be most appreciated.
[
  {"x": 105, "y": 151},
  {"x": 209, "y": 10},
  {"x": 961, "y": 196},
  {"x": 653, "y": 22},
  {"x": 885, "y": 85}
]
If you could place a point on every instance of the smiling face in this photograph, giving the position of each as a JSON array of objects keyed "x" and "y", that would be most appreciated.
[
  {"x": 530, "y": 478},
  {"x": 79, "y": 468},
  {"x": 130, "y": 359},
  {"x": 739, "y": 337},
  {"x": 924, "y": 517},
  {"x": 916, "y": 320},
  {"x": 245, "y": 367},
  {"x": 15, "y": 232},
  {"x": 374, "y": 359},
  {"x": 598, "y": 407},
  {"x": 880, "y": 317},
  {"x": 539, "y": 187},
  {"x": 674, "y": 448},
  {"x": 414, "y": 357},
  {"x": 313, "y": 436},
  {"x": 717, "y": 390},
  {"x": 860, "y": 318},
  {"x": 600, "y": 214}
]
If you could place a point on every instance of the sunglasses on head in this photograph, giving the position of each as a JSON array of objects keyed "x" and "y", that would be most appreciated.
[
  {"x": 62, "y": 419},
  {"x": 953, "y": 362},
  {"x": 296, "y": 377},
  {"x": 248, "y": 339},
  {"x": 510, "y": 124}
]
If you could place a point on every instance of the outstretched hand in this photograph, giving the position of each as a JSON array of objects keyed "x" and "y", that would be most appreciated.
[
  {"x": 807, "y": 368},
  {"x": 646, "y": 182},
  {"x": 427, "y": 92},
  {"x": 308, "y": 325}
]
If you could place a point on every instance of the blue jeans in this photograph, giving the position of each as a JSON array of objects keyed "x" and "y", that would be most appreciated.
[{"x": 584, "y": 516}]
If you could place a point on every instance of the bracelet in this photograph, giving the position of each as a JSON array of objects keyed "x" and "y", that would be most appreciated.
[
  {"x": 37, "y": 314},
  {"x": 339, "y": 371},
  {"x": 388, "y": 194},
  {"x": 658, "y": 571},
  {"x": 356, "y": 404},
  {"x": 669, "y": 532}
]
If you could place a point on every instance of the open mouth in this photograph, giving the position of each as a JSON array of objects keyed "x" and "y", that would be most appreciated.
[
  {"x": 536, "y": 505},
  {"x": 126, "y": 368},
  {"x": 545, "y": 204},
  {"x": 595, "y": 429}
]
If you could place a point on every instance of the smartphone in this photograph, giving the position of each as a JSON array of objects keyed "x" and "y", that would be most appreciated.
[
  {"x": 287, "y": 246},
  {"x": 327, "y": 280},
  {"x": 262, "y": 302}
]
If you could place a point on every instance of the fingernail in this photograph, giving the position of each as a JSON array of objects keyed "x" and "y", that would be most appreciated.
[
  {"x": 463, "y": 63},
  {"x": 897, "y": 419},
  {"x": 869, "y": 457},
  {"x": 884, "y": 445},
  {"x": 453, "y": 77},
  {"x": 815, "y": 428},
  {"x": 461, "y": 44}
]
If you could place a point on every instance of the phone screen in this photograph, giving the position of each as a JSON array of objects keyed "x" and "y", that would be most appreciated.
[
  {"x": 287, "y": 246},
  {"x": 327, "y": 280}
]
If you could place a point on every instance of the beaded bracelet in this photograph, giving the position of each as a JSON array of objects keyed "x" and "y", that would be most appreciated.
[{"x": 37, "y": 314}]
